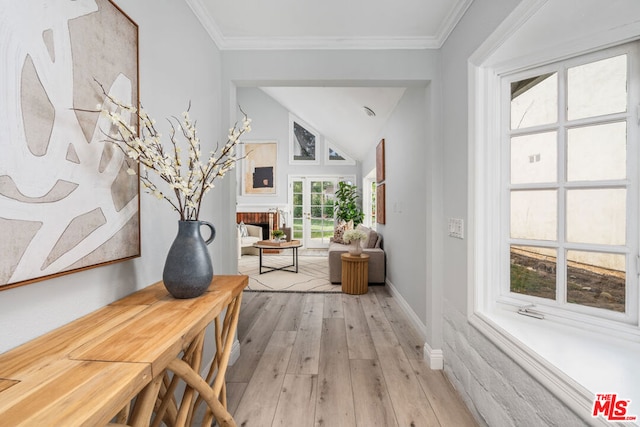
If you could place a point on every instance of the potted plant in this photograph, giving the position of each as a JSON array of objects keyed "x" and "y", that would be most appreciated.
[
  {"x": 187, "y": 179},
  {"x": 277, "y": 235},
  {"x": 354, "y": 237},
  {"x": 346, "y": 208}
]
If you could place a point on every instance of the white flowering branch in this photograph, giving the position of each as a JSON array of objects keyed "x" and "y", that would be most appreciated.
[
  {"x": 353, "y": 235},
  {"x": 145, "y": 147}
]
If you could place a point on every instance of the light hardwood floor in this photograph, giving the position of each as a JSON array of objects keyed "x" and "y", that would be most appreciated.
[{"x": 335, "y": 360}]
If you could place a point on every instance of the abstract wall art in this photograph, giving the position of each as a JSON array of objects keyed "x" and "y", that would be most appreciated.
[
  {"x": 66, "y": 200},
  {"x": 259, "y": 168}
]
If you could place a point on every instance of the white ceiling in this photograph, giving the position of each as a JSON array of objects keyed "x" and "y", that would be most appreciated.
[
  {"x": 335, "y": 112},
  {"x": 338, "y": 113}
]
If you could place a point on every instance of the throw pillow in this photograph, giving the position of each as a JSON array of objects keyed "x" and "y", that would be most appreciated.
[
  {"x": 373, "y": 239},
  {"x": 338, "y": 232},
  {"x": 367, "y": 231},
  {"x": 243, "y": 230}
]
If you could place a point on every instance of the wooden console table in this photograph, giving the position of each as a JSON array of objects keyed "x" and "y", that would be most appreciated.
[{"x": 89, "y": 371}]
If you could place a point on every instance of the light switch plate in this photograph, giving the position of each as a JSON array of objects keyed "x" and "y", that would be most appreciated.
[{"x": 456, "y": 228}]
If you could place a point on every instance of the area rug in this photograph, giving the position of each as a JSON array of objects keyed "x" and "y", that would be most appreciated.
[{"x": 312, "y": 276}]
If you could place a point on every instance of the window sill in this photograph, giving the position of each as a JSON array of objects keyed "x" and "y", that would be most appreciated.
[{"x": 574, "y": 364}]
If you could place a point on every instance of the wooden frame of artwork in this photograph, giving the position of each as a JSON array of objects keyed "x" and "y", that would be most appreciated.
[
  {"x": 380, "y": 173},
  {"x": 66, "y": 199},
  {"x": 259, "y": 168},
  {"x": 380, "y": 186},
  {"x": 304, "y": 143},
  {"x": 380, "y": 203}
]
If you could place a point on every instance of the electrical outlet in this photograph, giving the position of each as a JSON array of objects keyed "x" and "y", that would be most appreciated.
[{"x": 456, "y": 228}]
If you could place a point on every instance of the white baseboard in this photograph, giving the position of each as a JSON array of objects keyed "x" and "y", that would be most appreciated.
[
  {"x": 435, "y": 357},
  {"x": 406, "y": 308}
]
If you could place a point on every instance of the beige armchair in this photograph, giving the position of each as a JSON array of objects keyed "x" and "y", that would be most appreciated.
[{"x": 245, "y": 243}]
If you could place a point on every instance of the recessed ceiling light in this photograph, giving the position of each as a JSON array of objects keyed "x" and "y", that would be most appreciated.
[{"x": 369, "y": 111}]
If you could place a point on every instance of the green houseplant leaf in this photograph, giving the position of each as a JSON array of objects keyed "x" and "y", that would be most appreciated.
[{"x": 347, "y": 207}]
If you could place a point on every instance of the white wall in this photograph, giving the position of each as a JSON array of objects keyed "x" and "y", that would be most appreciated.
[
  {"x": 479, "y": 22},
  {"x": 270, "y": 122},
  {"x": 168, "y": 80},
  {"x": 405, "y": 230}
]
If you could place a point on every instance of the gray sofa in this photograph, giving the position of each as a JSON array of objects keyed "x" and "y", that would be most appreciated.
[{"x": 371, "y": 246}]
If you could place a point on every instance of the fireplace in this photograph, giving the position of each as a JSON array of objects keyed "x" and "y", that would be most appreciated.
[
  {"x": 268, "y": 221},
  {"x": 265, "y": 229}
]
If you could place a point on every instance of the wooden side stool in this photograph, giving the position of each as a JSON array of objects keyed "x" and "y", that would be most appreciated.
[{"x": 355, "y": 274}]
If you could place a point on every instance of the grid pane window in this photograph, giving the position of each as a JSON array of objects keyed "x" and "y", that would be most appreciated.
[
  {"x": 596, "y": 279},
  {"x": 597, "y": 152},
  {"x": 373, "y": 205},
  {"x": 597, "y": 88},
  {"x": 534, "y": 158},
  {"x": 597, "y": 216},
  {"x": 568, "y": 187},
  {"x": 534, "y": 214},
  {"x": 298, "y": 210},
  {"x": 533, "y": 271},
  {"x": 534, "y": 101}
]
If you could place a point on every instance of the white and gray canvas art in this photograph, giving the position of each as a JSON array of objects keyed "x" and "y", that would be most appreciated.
[{"x": 66, "y": 201}]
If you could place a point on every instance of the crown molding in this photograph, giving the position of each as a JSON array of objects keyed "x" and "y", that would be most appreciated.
[
  {"x": 207, "y": 21},
  {"x": 325, "y": 43},
  {"x": 452, "y": 20}
]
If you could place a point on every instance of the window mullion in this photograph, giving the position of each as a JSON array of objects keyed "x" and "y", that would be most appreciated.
[{"x": 561, "y": 276}]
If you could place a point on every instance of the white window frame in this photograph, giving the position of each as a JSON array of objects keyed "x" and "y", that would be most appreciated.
[
  {"x": 346, "y": 159},
  {"x": 490, "y": 190},
  {"x": 557, "y": 308},
  {"x": 292, "y": 141}
]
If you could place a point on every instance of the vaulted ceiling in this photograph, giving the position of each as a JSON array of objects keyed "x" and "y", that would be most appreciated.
[{"x": 333, "y": 24}]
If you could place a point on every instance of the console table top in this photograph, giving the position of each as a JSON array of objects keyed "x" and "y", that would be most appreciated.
[{"x": 84, "y": 372}]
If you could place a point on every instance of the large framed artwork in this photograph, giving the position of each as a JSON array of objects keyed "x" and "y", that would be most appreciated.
[
  {"x": 380, "y": 172},
  {"x": 380, "y": 184},
  {"x": 259, "y": 168},
  {"x": 304, "y": 143},
  {"x": 380, "y": 204},
  {"x": 66, "y": 200}
]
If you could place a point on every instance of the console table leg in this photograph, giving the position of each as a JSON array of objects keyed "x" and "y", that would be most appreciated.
[
  {"x": 145, "y": 403},
  {"x": 184, "y": 371},
  {"x": 193, "y": 357},
  {"x": 224, "y": 342},
  {"x": 123, "y": 415},
  {"x": 227, "y": 334}
]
